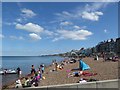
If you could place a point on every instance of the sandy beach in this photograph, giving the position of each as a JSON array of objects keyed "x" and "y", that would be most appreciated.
[{"x": 105, "y": 71}]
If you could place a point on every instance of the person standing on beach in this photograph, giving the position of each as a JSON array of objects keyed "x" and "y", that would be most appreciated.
[
  {"x": 56, "y": 66},
  {"x": 43, "y": 68},
  {"x": 18, "y": 71},
  {"x": 33, "y": 70},
  {"x": 40, "y": 68}
]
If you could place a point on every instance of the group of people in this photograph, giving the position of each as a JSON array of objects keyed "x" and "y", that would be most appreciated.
[
  {"x": 27, "y": 83},
  {"x": 36, "y": 76},
  {"x": 40, "y": 70},
  {"x": 57, "y": 66}
]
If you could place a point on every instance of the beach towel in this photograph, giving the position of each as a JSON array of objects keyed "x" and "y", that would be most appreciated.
[{"x": 88, "y": 74}]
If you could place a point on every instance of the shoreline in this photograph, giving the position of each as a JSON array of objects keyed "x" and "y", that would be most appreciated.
[
  {"x": 53, "y": 78},
  {"x": 6, "y": 86}
]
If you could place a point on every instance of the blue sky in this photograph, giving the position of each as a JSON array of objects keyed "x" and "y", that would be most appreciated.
[{"x": 35, "y": 28}]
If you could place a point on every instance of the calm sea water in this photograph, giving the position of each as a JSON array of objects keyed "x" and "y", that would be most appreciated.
[{"x": 24, "y": 62}]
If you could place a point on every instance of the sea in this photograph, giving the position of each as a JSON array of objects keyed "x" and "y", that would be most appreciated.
[{"x": 24, "y": 62}]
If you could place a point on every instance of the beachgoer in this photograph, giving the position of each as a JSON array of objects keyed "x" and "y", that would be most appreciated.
[
  {"x": 33, "y": 70},
  {"x": 18, "y": 84},
  {"x": 43, "y": 68},
  {"x": 37, "y": 77},
  {"x": 82, "y": 80},
  {"x": 40, "y": 68},
  {"x": 35, "y": 84},
  {"x": 56, "y": 66},
  {"x": 53, "y": 62},
  {"x": 40, "y": 74},
  {"x": 27, "y": 83},
  {"x": 18, "y": 70},
  {"x": 75, "y": 74},
  {"x": 5, "y": 71}
]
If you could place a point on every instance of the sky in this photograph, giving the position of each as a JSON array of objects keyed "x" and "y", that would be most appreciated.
[{"x": 38, "y": 28}]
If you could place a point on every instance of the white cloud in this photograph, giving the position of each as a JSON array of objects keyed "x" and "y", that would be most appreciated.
[
  {"x": 73, "y": 35},
  {"x": 50, "y": 33},
  {"x": 13, "y": 37},
  {"x": 21, "y": 38},
  {"x": 98, "y": 13},
  {"x": 105, "y": 31},
  {"x": 93, "y": 16},
  {"x": 16, "y": 38},
  {"x": 66, "y": 23},
  {"x": 25, "y": 14},
  {"x": 30, "y": 27},
  {"x": 2, "y": 36},
  {"x": 58, "y": 38},
  {"x": 91, "y": 11},
  {"x": 64, "y": 14},
  {"x": 10, "y": 23},
  {"x": 34, "y": 36},
  {"x": 95, "y": 6},
  {"x": 76, "y": 27},
  {"x": 109, "y": 0},
  {"x": 28, "y": 13},
  {"x": 19, "y": 19}
]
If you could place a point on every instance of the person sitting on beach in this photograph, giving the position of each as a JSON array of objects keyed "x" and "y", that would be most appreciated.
[
  {"x": 35, "y": 84},
  {"x": 33, "y": 70},
  {"x": 37, "y": 77},
  {"x": 82, "y": 80},
  {"x": 27, "y": 83},
  {"x": 75, "y": 74},
  {"x": 32, "y": 80},
  {"x": 18, "y": 84},
  {"x": 60, "y": 67}
]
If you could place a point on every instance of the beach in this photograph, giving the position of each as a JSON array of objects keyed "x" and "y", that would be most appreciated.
[{"x": 104, "y": 71}]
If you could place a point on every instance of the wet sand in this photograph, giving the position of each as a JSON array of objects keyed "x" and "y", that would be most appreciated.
[{"x": 105, "y": 71}]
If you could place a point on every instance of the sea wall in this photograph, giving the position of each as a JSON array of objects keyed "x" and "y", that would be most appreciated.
[{"x": 96, "y": 85}]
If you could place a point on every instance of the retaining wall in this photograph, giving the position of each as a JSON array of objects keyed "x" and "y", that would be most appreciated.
[{"x": 96, "y": 85}]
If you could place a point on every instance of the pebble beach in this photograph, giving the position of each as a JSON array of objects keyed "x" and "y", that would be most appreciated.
[{"x": 105, "y": 70}]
